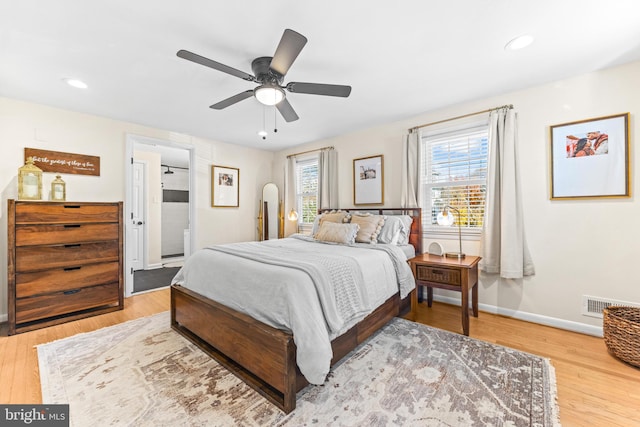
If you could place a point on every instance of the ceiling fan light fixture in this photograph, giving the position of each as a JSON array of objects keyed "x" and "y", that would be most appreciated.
[{"x": 269, "y": 94}]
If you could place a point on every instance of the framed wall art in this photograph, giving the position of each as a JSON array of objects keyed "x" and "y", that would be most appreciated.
[
  {"x": 368, "y": 180},
  {"x": 590, "y": 158},
  {"x": 225, "y": 187}
]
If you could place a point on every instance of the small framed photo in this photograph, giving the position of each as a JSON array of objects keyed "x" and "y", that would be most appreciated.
[
  {"x": 590, "y": 158},
  {"x": 368, "y": 180},
  {"x": 225, "y": 187}
]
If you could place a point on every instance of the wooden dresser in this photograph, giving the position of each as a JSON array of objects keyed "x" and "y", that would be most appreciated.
[{"x": 65, "y": 262}]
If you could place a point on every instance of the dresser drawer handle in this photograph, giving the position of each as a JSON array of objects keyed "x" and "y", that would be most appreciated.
[
  {"x": 75, "y": 291},
  {"x": 72, "y": 206},
  {"x": 72, "y": 226},
  {"x": 74, "y": 245},
  {"x": 437, "y": 272},
  {"x": 72, "y": 268}
]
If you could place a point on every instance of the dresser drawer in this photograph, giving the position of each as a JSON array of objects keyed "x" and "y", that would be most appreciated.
[
  {"x": 55, "y": 304},
  {"x": 65, "y": 279},
  {"x": 72, "y": 213},
  {"x": 65, "y": 233},
  {"x": 32, "y": 258},
  {"x": 438, "y": 275}
]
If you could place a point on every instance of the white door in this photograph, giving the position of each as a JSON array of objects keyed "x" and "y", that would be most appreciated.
[{"x": 137, "y": 215}]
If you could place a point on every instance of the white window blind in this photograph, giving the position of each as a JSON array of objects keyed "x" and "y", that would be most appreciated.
[
  {"x": 306, "y": 192},
  {"x": 454, "y": 172}
]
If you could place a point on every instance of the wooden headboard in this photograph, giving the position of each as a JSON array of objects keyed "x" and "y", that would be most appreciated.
[{"x": 415, "y": 236}]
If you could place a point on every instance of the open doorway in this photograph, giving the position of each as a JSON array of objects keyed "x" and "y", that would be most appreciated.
[{"x": 158, "y": 211}]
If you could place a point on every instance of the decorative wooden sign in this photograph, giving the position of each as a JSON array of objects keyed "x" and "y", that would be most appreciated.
[{"x": 56, "y": 161}]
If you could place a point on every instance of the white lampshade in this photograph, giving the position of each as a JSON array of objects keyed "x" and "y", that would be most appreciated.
[
  {"x": 293, "y": 215},
  {"x": 445, "y": 218},
  {"x": 268, "y": 94}
]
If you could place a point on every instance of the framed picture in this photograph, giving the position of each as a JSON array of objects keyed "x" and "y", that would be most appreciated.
[
  {"x": 368, "y": 180},
  {"x": 590, "y": 158},
  {"x": 225, "y": 187}
]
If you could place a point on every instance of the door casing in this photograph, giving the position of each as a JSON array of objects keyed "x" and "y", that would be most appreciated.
[{"x": 131, "y": 141}]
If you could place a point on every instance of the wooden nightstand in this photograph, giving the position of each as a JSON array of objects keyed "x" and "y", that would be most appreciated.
[{"x": 453, "y": 274}]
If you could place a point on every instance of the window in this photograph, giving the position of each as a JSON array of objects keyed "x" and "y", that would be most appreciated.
[
  {"x": 454, "y": 172},
  {"x": 306, "y": 192}
]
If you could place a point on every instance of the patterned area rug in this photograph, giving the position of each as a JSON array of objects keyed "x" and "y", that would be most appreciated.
[{"x": 141, "y": 373}]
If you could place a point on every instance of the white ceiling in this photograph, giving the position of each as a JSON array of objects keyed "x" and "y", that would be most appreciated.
[{"x": 402, "y": 58}]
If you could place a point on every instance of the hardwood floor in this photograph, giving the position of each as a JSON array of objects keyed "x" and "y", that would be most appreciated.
[
  {"x": 594, "y": 388},
  {"x": 19, "y": 378}
]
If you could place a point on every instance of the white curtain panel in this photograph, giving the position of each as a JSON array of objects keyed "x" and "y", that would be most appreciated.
[
  {"x": 290, "y": 227},
  {"x": 503, "y": 245},
  {"x": 328, "y": 179},
  {"x": 410, "y": 169}
]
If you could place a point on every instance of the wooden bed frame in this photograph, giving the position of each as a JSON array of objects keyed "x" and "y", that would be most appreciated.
[{"x": 265, "y": 357}]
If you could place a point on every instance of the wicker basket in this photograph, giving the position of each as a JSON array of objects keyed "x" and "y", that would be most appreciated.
[{"x": 622, "y": 333}]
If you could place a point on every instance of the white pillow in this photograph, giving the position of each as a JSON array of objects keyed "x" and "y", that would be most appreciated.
[
  {"x": 337, "y": 233},
  {"x": 390, "y": 233},
  {"x": 404, "y": 234}
]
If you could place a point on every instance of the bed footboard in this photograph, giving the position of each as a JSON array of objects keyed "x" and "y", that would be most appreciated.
[{"x": 262, "y": 356}]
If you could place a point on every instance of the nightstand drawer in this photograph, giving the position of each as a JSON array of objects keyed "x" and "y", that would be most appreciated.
[{"x": 438, "y": 275}]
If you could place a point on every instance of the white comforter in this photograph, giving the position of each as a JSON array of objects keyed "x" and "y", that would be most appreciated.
[{"x": 315, "y": 290}]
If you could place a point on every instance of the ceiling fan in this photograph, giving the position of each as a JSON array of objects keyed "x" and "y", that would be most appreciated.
[{"x": 269, "y": 72}]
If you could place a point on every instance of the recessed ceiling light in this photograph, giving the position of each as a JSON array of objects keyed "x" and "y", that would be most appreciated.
[
  {"x": 519, "y": 42},
  {"x": 262, "y": 133},
  {"x": 76, "y": 83}
]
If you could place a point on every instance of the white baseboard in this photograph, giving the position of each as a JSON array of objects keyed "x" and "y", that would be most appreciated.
[
  {"x": 530, "y": 317},
  {"x": 153, "y": 266},
  {"x": 4, "y": 318}
]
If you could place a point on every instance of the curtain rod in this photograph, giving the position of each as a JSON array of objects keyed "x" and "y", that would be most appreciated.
[
  {"x": 310, "y": 151},
  {"x": 509, "y": 106}
]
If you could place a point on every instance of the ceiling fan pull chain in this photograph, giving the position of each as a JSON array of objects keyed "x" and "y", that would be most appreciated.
[
  {"x": 264, "y": 122},
  {"x": 275, "y": 120}
]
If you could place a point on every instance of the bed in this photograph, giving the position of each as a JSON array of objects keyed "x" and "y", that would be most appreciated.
[{"x": 252, "y": 343}]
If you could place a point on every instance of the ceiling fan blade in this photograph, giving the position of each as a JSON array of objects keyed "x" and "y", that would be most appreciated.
[
  {"x": 319, "y": 89},
  {"x": 232, "y": 100},
  {"x": 287, "y": 111},
  {"x": 287, "y": 51},
  {"x": 193, "y": 57}
]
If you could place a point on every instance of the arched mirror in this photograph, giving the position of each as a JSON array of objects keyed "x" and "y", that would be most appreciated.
[{"x": 269, "y": 220}]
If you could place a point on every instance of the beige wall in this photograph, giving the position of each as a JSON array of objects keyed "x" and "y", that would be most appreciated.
[
  {"x": 577, "y": 249},
  {"x": 580, "y": 247},
  {"x": 24, "y": 124}
]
